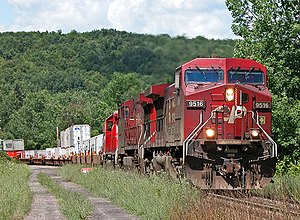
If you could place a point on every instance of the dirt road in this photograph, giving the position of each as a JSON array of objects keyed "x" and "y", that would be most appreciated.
[{"x": 48, "y": 209}]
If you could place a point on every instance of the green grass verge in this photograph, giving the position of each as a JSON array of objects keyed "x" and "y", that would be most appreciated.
[
  {"x": 284, "y": 187},
  {"x": 151, "y": 197},
  {"x": 72, "y": 205},
  {"x": 15, "y": 194}
]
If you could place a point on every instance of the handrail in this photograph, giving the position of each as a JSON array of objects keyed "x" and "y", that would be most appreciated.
[
  {"x": 274, "y": 145},
  {"x": 141, "y": 147},
  {"x": 186, "y": 142},
  {"x": 192, "y": 134}
]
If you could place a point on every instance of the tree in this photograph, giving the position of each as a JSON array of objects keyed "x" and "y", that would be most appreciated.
[
  {"x": 270, "y": 32},
  {"x": 122, "y": 87},
  {"x": 36, "y": 120}
]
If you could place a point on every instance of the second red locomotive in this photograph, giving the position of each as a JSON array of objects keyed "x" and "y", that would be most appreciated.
[{"x": 212, "y": 126}]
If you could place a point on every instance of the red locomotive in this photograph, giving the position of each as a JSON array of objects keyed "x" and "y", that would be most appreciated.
[{"x": 212, "y": 126}]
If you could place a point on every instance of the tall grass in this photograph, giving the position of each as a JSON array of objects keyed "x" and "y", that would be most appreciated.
[
  {"x": 158, "y": 197},
  {"x": 73, "y": 205},
  {"x": 15, "y": 194},
  {"x": 148, "y": 197},
  {"x": 286, "y": 187},
  {"x": 215, "y": 209}
]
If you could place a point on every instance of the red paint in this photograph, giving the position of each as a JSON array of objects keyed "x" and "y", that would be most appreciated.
[
  {"x": 86, "y": 170},
  {"x": 111, "y": 134},
  {"x": 16, "y": 154}
]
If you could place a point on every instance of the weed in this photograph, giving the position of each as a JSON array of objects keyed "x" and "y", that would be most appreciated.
[
  {"x": 150, "y": 197},
  {"x": 72, "y": 204},
  {"x": 159, "y": 197},
  {"x": 15, "y": 195}
]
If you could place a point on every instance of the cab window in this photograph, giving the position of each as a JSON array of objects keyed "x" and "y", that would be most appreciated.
[
  {"x": 199, "y": 76},
  {"x": 246, "y": 77}
]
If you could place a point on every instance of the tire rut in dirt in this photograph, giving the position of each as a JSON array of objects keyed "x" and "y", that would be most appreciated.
[
  {"x": 103, "y": 209},
  {"x": 44, "y": 206}
]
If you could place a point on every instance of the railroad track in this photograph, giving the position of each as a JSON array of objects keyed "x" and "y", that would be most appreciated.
[{"x": 261, "y": 203}]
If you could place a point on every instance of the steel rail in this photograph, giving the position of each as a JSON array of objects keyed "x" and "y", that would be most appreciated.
[{"x": 254, "y": 204}]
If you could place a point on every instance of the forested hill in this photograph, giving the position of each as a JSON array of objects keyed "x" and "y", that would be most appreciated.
[{"x": 54, "y": 79}]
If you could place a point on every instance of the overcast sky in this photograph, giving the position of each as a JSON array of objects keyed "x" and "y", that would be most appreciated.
[{"x": 208, "y": 18}]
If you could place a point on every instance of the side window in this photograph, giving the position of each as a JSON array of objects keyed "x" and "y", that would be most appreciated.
[
  {"x": 147, "y": 129},
  {"x": 126, "y": 112}
]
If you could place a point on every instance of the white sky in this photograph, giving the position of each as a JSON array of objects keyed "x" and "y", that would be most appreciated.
[{"x": 208, "y": 18}]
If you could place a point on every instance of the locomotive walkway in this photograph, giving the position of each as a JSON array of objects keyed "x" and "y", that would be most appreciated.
[{"x": 45, "y": 205}]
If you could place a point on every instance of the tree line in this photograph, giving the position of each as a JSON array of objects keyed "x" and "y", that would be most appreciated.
[{"x": 51, "y": 79}]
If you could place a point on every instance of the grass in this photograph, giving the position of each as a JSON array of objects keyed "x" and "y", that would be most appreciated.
[
  {"x": 15, "y": 194},
  {"x": 285, "y": 187},
  {"x": 158, "y": 197},
  {"x": 147, "y": 197},
  {"x": 215, "y": 209},
  {"x": 72, "y": 204}
]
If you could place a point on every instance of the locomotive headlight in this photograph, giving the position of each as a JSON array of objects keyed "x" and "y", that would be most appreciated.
[
  {"x": 210, "y": 133},
  {"x": 229, "y": 94},
  {"x": 254, "y": 134}
]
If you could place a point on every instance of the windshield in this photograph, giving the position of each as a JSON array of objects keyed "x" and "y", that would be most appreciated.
[
  {"x": 246, "y": 77},
  {"x": 204, "y": 76}
]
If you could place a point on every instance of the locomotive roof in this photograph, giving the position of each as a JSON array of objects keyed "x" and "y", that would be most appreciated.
[{"x": 215, "y": 62}]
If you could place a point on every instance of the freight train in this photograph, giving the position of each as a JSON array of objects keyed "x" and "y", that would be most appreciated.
[
  {"x": 211, "y": 127},
  {"x": 13, "y": 148}
]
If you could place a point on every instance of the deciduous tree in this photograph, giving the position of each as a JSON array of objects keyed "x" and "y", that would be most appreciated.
[{"x": 270, "y": 33}]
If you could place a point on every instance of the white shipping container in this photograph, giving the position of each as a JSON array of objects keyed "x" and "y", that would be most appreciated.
[
  {"x": 75, "y": 135},
  {"x": 63, "y": 139},
  {"x": 8, "y": 145},
  {"x": 80, "y": 133},
  {"x": 40, "y": 153},
  {"x": 49, "y": 153},
  {"x": 86, "y": 145},
  {"x": 72, "y": 151},
  {"x": 29, "y": 153},
  {"x": 56, "y": 152},
  {"x": 98, "y": 143},
  {"x": 63, "y": 152},
  {"x": 18, "y": 144},
  {"x": 13, "y": 145},
  {"x": 93, "y": 145},
  {"x": 68, "y": 152}
]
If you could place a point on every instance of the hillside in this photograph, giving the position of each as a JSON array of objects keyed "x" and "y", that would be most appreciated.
[{"x": 54, "y": 79}]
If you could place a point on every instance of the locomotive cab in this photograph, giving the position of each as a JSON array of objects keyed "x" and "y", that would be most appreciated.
[{"x": 227, "y": 124}]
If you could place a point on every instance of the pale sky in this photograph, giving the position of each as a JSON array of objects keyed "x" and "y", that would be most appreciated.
[{"x": 192, "y": 18}]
